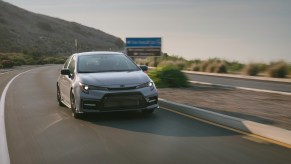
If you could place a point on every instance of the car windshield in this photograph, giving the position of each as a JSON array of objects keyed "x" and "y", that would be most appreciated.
[{"x": 105, "y": 63}]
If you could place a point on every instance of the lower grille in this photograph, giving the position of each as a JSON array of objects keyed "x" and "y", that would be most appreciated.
[
  {"x": 123, "y": 101},
  {"x": 116, "y": 101}
]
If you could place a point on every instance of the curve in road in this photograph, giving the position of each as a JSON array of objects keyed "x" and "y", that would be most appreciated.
[{"x": 39, "y": 131}]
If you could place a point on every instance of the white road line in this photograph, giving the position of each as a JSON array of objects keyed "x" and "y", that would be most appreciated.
[
  {"x": 4, "y": 154},
  {"x": 243, "y": 88},
  {"x": 244, "y": 77}
]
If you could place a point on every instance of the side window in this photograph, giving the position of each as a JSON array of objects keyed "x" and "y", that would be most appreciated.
[
  {"x": 67, "y": 62},
  {"x": 72, "y": 66}
]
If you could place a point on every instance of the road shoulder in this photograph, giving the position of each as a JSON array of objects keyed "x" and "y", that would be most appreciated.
[
  {"x": 268, "y": 109},
  {"x": 267, "y": 133}
]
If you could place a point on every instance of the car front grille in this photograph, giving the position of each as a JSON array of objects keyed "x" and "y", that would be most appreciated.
[
  {"x": 116, "y": 101},
  {"x": 120, "y": 89},
  {"x": 123, "y": 101}
]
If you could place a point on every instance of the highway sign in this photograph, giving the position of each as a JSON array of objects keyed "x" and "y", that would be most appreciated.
[
  {"x": 143, "y": 46},
  {"x": 143, "y": 42}
]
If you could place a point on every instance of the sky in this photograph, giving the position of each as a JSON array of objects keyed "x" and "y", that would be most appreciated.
[{"x": 239, "y": 30}]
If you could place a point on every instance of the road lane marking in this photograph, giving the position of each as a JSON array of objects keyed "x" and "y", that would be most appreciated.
[
  {"x": 243, "y": 88},
  {"x": 4, "y": 154},
  {"x": 254, "y": 139},
  {"x": 240, "y": 77},
  {"x": 229, "y": 128}
]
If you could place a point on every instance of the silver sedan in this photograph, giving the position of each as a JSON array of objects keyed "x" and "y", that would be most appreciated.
[{"x": 105, "y": 82}]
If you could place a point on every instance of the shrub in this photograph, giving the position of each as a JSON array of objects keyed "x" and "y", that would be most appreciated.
[
  {"x": 169, "y": 76},
  {"x": 204, "y": 65},
  {"x": 262, "y": 67},
  {"x": 150, "y": 61},
  {"x": 18, "y": 61},
  {"x": 180, "y": 64},
  {"x": 251, "y": 69},
  {"x": 278, "y": 69},
  {"x": 60, "y": 61},
  {"x": 141, "y": 61},
  {"x": 7, "y": 64},
  {"x": 234, "y": 66},
  {"x": 195, "y": 67},
  {"x": 210, "y": 67},
  {"x": 216, "y": 67},
  {"x": 220, "y": 68}
]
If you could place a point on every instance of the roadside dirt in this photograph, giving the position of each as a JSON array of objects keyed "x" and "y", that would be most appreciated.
[{"x": 266, "y": 108}]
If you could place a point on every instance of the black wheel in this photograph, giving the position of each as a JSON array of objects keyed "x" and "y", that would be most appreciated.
[
  {"x": 59, "y": 98},
  {"x": 73, "y": 107},
  {"x": 148, "y": 111}
]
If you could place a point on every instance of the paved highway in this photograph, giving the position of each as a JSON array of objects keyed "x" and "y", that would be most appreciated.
[
  {"x": 39, "y": 131},
  {"x": 236, "y": 82}
]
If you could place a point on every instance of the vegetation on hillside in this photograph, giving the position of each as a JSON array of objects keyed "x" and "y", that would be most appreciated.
[
  {"x": 8, "y": 60},
  {"x": 279, "y": 69}
]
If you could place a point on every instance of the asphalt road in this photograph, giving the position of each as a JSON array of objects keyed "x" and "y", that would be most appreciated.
[
  {"x": 236, "y": 82},
  {"x": 39, "y": 131}
]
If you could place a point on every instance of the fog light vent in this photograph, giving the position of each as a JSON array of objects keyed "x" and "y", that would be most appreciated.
[{"x": 89, "y": 104}]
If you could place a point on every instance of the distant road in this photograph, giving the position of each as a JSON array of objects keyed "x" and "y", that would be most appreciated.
[
  {"x": 236, "y": 82},
  {"x": 39, "y": 131}
]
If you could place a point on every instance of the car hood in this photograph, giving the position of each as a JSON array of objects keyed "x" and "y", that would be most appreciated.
[{"x": 114, "y": 79}]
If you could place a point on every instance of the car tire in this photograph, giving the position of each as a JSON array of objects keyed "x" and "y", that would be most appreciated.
[
  {"x": 148, "y": 111},
  {"x": 73, "y": 107},
  {"x": 59, "y": 97}
]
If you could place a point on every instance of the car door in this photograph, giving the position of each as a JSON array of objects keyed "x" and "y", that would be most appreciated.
[
  {"x": 62, "y": 77},
  {"x": 67, "y": 81}
]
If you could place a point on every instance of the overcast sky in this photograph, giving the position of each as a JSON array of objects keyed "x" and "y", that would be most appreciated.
[{"x": 244, "y": 30}]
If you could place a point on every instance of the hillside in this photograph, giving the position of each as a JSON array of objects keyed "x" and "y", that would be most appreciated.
[{"x": 24, "y": 31}]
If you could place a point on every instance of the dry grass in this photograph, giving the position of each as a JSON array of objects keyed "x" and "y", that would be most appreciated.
[
  {"x": 278, "y": 69},
  {"x": 251, "y": 69}
]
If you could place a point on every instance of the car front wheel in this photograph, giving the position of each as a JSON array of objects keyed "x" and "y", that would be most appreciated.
[
  {"x": 59, "y": 98},
  {"x": 73, "y": 107}
]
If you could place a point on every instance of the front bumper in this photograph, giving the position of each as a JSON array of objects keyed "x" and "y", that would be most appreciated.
[{"x": 111, "y": 101}]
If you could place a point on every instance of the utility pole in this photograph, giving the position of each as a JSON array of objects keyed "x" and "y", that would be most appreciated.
[{"x": 76, "y": 45}]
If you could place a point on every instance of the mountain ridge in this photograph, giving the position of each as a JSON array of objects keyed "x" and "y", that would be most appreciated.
[{"x": 25, "y": 31}]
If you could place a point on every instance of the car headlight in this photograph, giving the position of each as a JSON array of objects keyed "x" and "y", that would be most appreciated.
[
  {"x": 85, "y": 88},
  {"x": 148, "y": 84}
]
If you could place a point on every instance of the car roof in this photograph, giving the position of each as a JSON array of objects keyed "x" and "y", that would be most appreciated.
[{"x": 99, "y": 53}]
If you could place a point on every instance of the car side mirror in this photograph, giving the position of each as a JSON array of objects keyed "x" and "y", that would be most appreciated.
[
  {"x": 66, "y": 71},
  {"x": 144, "y": 68}
]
